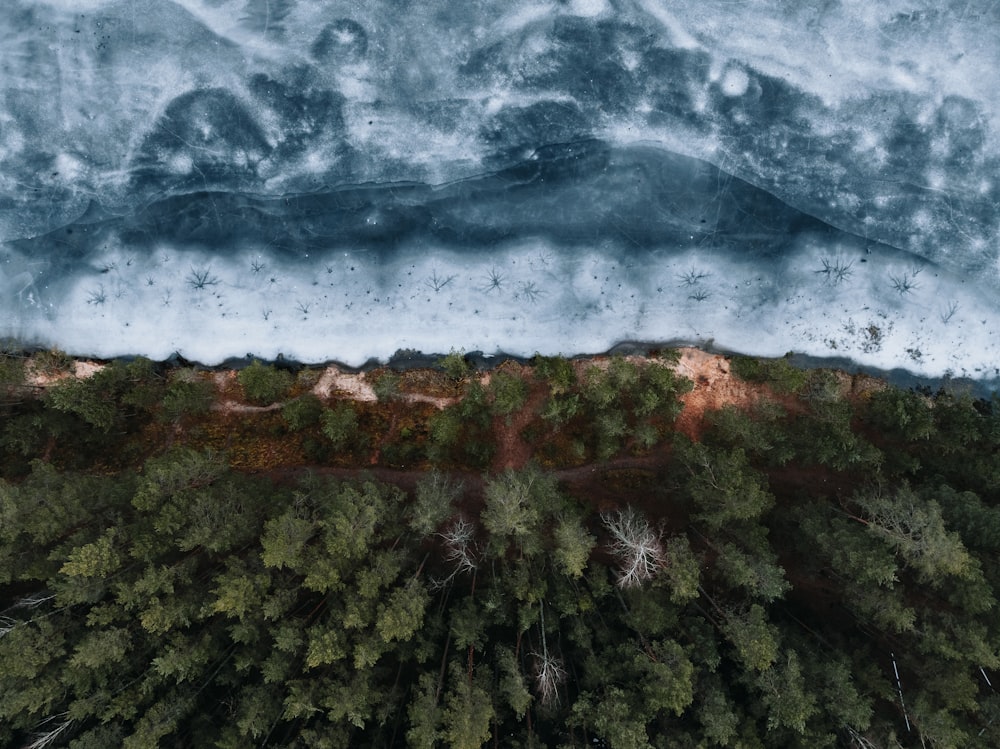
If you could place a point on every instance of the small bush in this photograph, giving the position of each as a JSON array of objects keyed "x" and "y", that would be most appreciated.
[
  {"x": 186, "y": 396},
  {"x": 11, "y": 371},
  {"x": 561, "y": 409},
  {"x": 302, "y": 412},
  {"x": 778, "y": 373},
  {"x": 667, "y": 355},
  {"x": 264, "y": 384},
  {"x": 622, "y": 374},
  {"x": 445, "y": 429},
  {"x": 901, "y": 414},
  {"x": 556, "y": 371},
  {"x": 52, "y": 362},
  {"x": 455, "y": 365},
  {"x": 340, "y": 425},
  {"x": 386, "y": 385},
  {"x": 822, "y": 387},
  {"x": 308, "y": 377},
  {"x": 509, "y": 392},
  {"x": 646, "y": 436},
  {"x": 598, "y": 389}
]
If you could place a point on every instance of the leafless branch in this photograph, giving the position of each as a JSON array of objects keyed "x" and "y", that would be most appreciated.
[{"x": 638, "y": 547}]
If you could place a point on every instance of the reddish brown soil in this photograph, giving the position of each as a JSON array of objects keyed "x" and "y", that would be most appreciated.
[
  {"x": 513, "y": 451},
  {"x": 714, "y": 387}
]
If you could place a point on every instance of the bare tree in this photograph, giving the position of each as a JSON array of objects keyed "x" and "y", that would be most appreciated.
[
  {"x": 549, "y": 672},
  {"x": 43, "y": 740},
  {"x": 859, "y": 741},
  {"x": 638, "y": 547},
  {"x": 460, "y": 548}
]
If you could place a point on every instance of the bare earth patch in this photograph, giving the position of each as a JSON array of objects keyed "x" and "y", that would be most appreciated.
[
  {"x": 354, "y": 386},
  {"x": 714, "y": 387},
  {"x": 35, "y": 377}
]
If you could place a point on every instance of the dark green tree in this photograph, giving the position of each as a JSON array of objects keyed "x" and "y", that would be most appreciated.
[{"x": 265, "y": 384}]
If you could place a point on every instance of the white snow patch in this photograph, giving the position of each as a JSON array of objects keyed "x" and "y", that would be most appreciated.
[
  {"x": 735, "y": 82},
  {"x": 588, "y": 8}
]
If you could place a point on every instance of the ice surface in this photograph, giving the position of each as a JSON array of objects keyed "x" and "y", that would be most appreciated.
[{"x": 342, "y": 180}]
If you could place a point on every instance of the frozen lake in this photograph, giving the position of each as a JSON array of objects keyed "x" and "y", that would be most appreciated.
[{"x": 342, "y": 180}]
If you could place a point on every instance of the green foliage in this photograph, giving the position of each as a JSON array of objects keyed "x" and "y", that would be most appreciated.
[
  {"x": 914, "y": 528},
  {"x": 424, "y": 713},
  {"x": 573, "y": 545},
  {"x": 556, "y": 371},
  {"x": 401, "y": 615},
  {"x": 468, "y": 712},
  {"x": 683, "y": 570},
  {"x": 778, "y": 373},
  {"x": 901, "y": 414},
  {"x": 625, "y": 404},
  {"x": 599, "y": 388},
  {"x": 761, "y": 577},
  {"x": 340, "y": 426},
  {"x": 977, "y": 524},
  {"x": 559, "y": 410},
  {"x": 753, "y": 637},
  {"x": 509, "y": 392},
  {"x": 385, "y": 383},
  {"x": 516, "y": 504},
  {"x": 186, "y": 395},
  {"x": 302, "y": 412},
  {"x": 512, "y": 685},
  {"x": 435, "y": 501},
  {"x": 99, "y": 559},
  {"x": 848, "y": 549},
  {"x": 826, "y": 435},
  {"x": 52, "y": 362},
  {"x": 265, "y": 384},
  {"x": 103, "y": 399},
  {"x": 168, "y": 476},
  {"x": 462, "y": 432},
  {"x": 445, "y": 429},
  {"x": 613, "y": 717},
  {"x": 140, "y": 606},
  {"x": 12, "y": 373},
  {"x": 455, "y": 365},
  {"x": 758, "y": 431},
  {"x": 724, "y": 487},
  {"x": 784, "y": 692},
  {"x": 81, "y": 398}
]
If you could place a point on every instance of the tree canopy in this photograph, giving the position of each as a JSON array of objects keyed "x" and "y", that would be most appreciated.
[{"x": 814, "y": 571}]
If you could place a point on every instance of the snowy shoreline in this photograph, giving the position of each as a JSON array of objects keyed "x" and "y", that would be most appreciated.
[{"x": 882, "y": 311}]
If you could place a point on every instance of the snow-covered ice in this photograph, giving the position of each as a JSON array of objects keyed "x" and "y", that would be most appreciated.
[{"x": 342, "y": 180}]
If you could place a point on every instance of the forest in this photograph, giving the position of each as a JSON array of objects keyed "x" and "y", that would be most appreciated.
[{"x": 546, "y": 554}]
